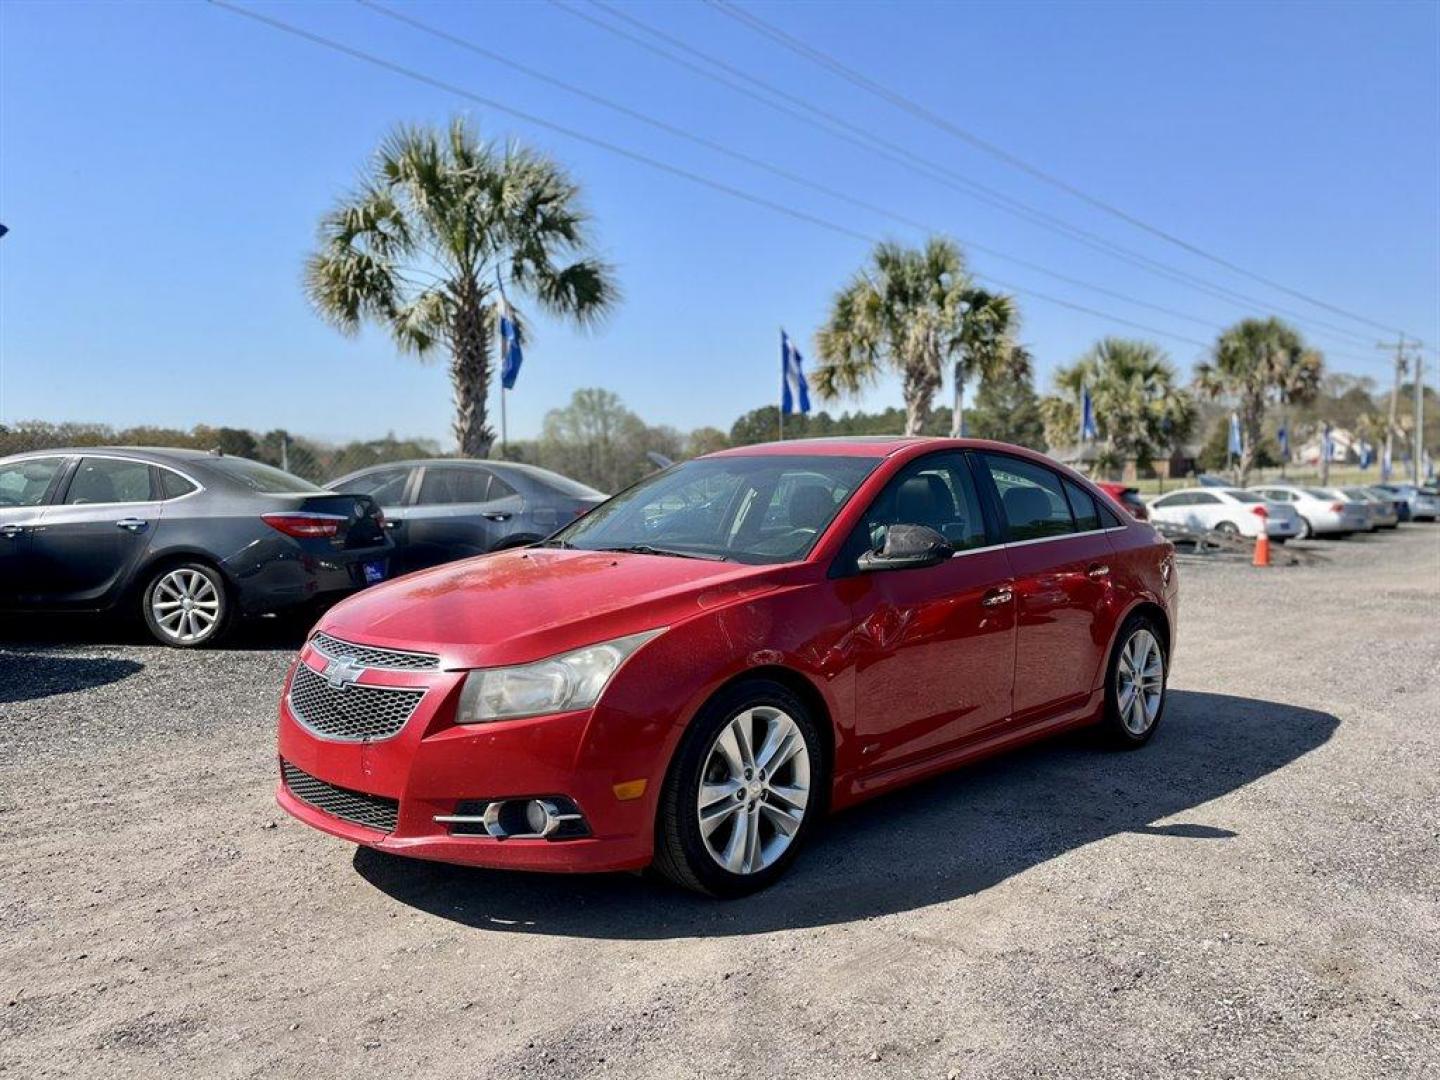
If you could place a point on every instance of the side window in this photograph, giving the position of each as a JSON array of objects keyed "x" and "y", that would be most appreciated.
[
  {"x": 1109, "y": 519},
  {"x": 24, "y": 483},
  {"x": 937, "y": 491},
  {"x": 109, "y": 480},
  {"x": 173, "y": 485},
  {"x": 1032, "y": 498},
  {"x": 1087, "y": 517},
  {"x": 444, "y": 485},
  {"x": 385, "y": 486},
  {"x": 1203, "y": 498},
  {"x": 499, "y": 489}
]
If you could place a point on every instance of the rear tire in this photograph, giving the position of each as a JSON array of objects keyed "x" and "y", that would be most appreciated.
[
  {"x": 1229, "y": 528},
  {"x": 1307, "y": 531},
  {"x": 748, "y": 782},
  {"x": 1135, "y": 684},
  {"x": 185, "y": 605}
]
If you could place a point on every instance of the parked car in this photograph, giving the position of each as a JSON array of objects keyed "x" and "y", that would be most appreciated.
[
  {"x": 693, "y": 674},
  {"x": 1322, "y": 512},
  {"x": 1128, "y": 498},
  {"x": 184, "y": 539},
  {"x": 1226, "y": 510},
  {"x": 446, "y": 509},
  {"x": 1383, "y": 513},
  {"x": 1417, "y": 503}
]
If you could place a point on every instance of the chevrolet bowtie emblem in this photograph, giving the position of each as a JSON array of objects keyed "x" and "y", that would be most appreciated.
[{"x": 343, "y": 673}]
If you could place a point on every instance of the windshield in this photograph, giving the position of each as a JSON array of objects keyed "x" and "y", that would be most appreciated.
[
  {"x": 263, "y": 478},
  {"x": 750, "y": 509},
  {"x": 563, "y": 484}
]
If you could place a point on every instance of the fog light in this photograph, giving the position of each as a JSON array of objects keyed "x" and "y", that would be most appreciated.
[{"x": 554, "y": 817}]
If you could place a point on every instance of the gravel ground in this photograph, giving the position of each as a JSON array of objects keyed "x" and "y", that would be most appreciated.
[{"x": 1255, "y": 894}]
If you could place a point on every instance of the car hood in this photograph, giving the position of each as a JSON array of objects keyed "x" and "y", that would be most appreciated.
[{"x": 522, "y": 605}]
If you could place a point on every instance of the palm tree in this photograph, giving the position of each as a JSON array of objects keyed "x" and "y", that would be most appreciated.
[
  {"x": 420, "y": 246},
  {"x": 1257, "y": 361},
  {"x": 1140, "y": 411},
  {"x": 913, "y": 311}
]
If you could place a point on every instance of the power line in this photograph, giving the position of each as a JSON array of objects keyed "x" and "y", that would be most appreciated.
[
  {"x": 914, "y": 108},
  {"x": 837, "y": 126},
  {"x": 767, "y": 166},
  {"x": 652, "y": 162}
]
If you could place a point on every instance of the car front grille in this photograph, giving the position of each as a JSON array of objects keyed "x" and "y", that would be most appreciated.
[
  {"x": 372, "y": 811},
  {"x": 370, "y": 657},
  {"x": 351, "y": 713}
]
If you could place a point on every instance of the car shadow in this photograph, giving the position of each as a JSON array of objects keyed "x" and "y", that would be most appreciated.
[
  {"x": 285, "y": 633},
  {"x": 940, "y": 840},
  {"x": 27, "y": 676}
]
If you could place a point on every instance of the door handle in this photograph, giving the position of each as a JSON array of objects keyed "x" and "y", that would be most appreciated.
[
  {"x": 497, "y": 515},
  {"x": 10, "y": 532},
  {"x": 134, "y": 524},
  {"x": 997, "y": 597},
  {"x": 394, "y": 523},
  {"x": 1097, "y": 571}
]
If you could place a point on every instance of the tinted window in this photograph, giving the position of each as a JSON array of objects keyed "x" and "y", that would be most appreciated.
[
  {"x": 727, "y": 507},
  {"x": 265, "y": 479},
  {"x": 24, "y": 483},
  {"x": 444, "y": 485},
  {"x": 936, "y": 491},
  {"x": 1180, "y": 499},
  {"x": 109, "y": 480},
  {"x": 1032, "y": 498},
  {"x": 1318, "y": 493},
  {"x": 562, "y": 484},
  {"x": 385, "y": 486},
  {"x": 1108, "y": 518},
  {"x": 173, "y": 485},
  {"x": 499, "y": 489},
  {"x": 1087, "y": 517},
  {"x": 1245, "y": 496}
]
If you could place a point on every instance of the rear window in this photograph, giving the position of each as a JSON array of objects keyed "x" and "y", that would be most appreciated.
[
  {"x": 1317, "y": 493},
  {"x": 563, "y": 485},
  {"x": 1087, "y": 517},
  {"x": 265, "y": 479},
  {"x": 1245, "y": 496}
]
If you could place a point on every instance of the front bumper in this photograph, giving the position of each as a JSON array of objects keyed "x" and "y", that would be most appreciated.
[{"x": 432, "y": 766}]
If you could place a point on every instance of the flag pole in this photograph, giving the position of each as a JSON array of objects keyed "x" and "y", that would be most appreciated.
[
  {"x": 504, "y": 443},
  {"x": 780, "y": 405}
]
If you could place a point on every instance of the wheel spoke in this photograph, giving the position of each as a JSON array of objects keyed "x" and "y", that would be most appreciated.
[
  {"x": 778, "y": 749},
  {"x": 787, "y": 821},
  {"x": 710, "y": 794},
  {"x": 752, "y": 841},
  {"x": 791, "y": 798},
  {"x": 717, "y": 816}
]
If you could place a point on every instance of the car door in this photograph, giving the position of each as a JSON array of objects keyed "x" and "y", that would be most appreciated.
[
  {"x": 97, "y": 530},
  {"x": 26, "y": 487},
  {"x": 451, "y": 517},
  {"x": 1060, "y": 558},
  {"x": 934, "y": 647}
]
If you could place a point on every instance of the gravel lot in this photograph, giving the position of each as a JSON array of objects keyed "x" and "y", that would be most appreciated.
[{"x": 1255, "y": 894}]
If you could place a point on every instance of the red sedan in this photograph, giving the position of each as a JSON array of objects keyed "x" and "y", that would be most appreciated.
[
  {"x": 694, "y": 673},
  {"x": 1128, "y": 497}
]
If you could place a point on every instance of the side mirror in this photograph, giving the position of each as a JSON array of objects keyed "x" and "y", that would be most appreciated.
[{"x": 907, "y": 547}]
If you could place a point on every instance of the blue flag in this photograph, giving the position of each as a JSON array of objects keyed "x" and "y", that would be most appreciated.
[
  {"x": 1088, "y": 430},
  {"x": 1283, "y": 437},
  {"x": 1385, "y": 465},
  {"x": 1235, "y": 446},
  {"x": 1327, "y": 446},
  {"x": 510, "y": 355},
  {"x": 1364, "y": 450},
  {"x": 793, "y": 386}
]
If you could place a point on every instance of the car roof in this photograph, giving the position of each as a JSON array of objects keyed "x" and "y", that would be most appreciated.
[
  {"x": 172, "y": 455},
  {"x": 877, "y": 446},
  {"x": 514, "y": 468}
]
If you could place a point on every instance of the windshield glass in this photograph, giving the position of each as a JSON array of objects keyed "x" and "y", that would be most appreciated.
[
  {"x": 263, "y": 478},
  {"x": 750, "y": 509}
]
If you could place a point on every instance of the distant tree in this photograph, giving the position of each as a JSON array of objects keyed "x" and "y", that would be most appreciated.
[
  {"x": 598, "y": 441},
  {"x": 1139, "y": 410},
  {"x": 418, "y": 247},
  {"x": 917, "y": 312},
  {"x": 705, "y": 440},
  {"x": 1255, "y": 363},
  {"x": 1007, "y": 407}
]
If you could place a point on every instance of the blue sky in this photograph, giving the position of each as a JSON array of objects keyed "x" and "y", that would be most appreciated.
[{"x": 162, "y": 167}]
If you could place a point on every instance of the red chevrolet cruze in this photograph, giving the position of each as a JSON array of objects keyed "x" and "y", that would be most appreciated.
[{"x": 693, "y": 674}]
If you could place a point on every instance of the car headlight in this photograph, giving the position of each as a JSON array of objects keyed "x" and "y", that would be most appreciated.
[{"x": 572, "y": 680}]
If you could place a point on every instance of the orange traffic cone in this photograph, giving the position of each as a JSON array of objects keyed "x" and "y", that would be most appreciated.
[{"x": 1262, "y": 549}]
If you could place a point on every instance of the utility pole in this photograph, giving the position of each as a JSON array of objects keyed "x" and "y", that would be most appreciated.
[
  {"x": 1388, "y": 462},
  {"x": 1417, "y": 469}
]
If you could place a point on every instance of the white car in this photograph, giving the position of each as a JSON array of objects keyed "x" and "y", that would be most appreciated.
[
  {"x": 1227, "y": 510},
  {"x": 1323, "y": 511}
]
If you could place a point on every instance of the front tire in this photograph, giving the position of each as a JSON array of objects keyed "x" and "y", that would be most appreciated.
[
  {"x": 747, "y": 785},
  {"x": 186, "y": 606},
  {"x": 1135, "y": 684},
  {"x": 1307, "y": 531}
]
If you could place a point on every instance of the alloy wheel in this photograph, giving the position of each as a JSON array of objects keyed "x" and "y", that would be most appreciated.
[
  {"x": 754, "y": 790},
  {"x": 185, "y": 605},
  {"x": 1140, "y": 682}
]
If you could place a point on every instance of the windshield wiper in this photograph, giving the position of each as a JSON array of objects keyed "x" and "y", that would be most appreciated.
[
  {"x": 646, "y": 549},
  {"x": 554, "y": 542}
]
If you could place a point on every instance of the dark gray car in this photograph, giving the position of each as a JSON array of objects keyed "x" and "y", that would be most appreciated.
[
  {"x": 443, "y": 509},
  {"x": 187, "y": 540}
]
